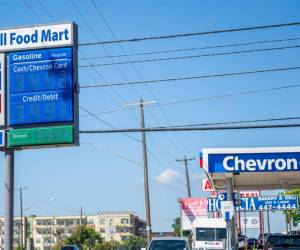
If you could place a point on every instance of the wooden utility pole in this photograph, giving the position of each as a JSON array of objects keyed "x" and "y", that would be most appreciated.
[{"x": 186, "y": 160}]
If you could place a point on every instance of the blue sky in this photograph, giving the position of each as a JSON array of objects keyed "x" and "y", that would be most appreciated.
[{"x": 94, "y": 175}]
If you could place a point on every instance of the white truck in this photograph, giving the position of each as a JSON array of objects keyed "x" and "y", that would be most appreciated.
[{"x": 209, "y": 233}]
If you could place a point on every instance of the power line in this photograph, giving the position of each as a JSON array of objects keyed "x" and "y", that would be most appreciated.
[
  {"x": 207, "y": 98},
  {"x": 195, "y": 48},
  {"x": 232, "y": 122},
  {"x": 170, "y": 129},
  {"x": 192, "y": 77},
  {"x": 192, "y": 56},
  {"x": 139, "y": 75},
  {"x": 107, "y": 124},
  {"x": 228, "y": 30},
  {"x": 134, "y": 162}
]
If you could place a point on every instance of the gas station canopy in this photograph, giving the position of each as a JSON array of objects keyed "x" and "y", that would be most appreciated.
[{"x": 253, "y": 168}]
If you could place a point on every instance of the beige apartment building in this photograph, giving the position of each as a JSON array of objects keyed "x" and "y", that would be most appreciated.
[{"x": 46, "y": 231}]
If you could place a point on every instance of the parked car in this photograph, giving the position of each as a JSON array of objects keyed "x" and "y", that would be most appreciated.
[
  {"x": 169, "y": 243},
  {"x": 252, "y": 242},
  {"x": 242, "y": 242},
  {"x": 282, "y": 242},
  {"x": 70, "y": 247}
]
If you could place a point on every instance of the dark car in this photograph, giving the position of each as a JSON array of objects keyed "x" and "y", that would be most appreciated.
[
  {"x": 252, "y": 242},
  {"x": 70, "y": 247},
  {"x": 282, "y": 242},
  {"x": 169, "y": 243}
]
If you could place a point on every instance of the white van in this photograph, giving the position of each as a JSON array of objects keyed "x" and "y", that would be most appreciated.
[{"x": 209, "y": 233}]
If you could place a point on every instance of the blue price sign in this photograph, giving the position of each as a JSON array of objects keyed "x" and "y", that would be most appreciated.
[
  {"x": 281, "y": 202},
  {"x": 41, "y": 88}
]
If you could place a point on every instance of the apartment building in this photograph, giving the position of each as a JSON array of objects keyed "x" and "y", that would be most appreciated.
[
  {"x": 119, "y": 226},
  {"x": 46, "y": 231}
]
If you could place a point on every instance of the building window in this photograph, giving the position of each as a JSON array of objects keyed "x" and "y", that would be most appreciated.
[
  {"x": 102, "y": 230},
  {"x": 124, "y": 221},
  {"x": 102, "y": 221},
  {"x": 123, "y": 238}
]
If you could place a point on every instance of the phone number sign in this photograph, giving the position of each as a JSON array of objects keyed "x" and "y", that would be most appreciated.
[
  {"x": 280, "y": 202},
  {"x": 41, "y": 86}
]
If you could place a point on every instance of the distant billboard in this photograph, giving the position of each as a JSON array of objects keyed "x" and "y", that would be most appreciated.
[{"x": 192, "y": 208}]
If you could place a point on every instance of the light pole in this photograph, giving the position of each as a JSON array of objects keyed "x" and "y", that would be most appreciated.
[{"x": 21, "y": 215}]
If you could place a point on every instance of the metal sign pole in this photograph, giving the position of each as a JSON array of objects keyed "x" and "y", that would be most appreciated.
[
  {"x": 231, "y": 223},
  {"x": 9, "y": 199}
]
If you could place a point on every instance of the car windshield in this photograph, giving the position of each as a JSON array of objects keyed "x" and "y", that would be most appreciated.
[
  {"x": 168, "y": 245},
  {"x": 210, "y": 234},
  {"x": 69, "y": 248},
  {"x": 284, "y": 240}
]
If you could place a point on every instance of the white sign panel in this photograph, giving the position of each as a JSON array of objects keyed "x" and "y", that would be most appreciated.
[
  {"x": 227, "y": 210},
  {"x": 2, "y": 89},
  {"x": 207, "y": 186},
  {"x": 36, "y": 37},
  {"x": 250, "y": 222}
]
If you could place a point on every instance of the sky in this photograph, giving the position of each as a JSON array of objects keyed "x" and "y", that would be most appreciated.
[{"x": 105, "y": 172}]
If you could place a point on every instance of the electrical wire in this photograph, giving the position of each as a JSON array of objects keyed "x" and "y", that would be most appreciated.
[
  {"x": 195, "y": 48},
  {"x": 134, "y": 162},
  {"x": 169, "y": 129},
  {"x": 192, "y": 77},
  {"x": 120, "y": 71},
  {"x": 138, "y": 74},
  {"x": 192, "y": 56},
  {"x": 227, "y": 30},
  {"x": 208, "y": 98}
]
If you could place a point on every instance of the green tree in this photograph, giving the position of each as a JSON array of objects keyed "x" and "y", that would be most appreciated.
[
  {"x": 292, "y": 216},
  {"x": 84, "y": 236},
  {"x": 108, "y": 245},
  {"x": 176, "y": 229},
  {"x": 134, "y": 242},
  {"x": 176, "y": 226}
]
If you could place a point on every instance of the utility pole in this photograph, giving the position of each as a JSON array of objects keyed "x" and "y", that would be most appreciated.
[
  {"x": 186, "y": 160},
  {"x": 146, "y": 180},
  {"x": 80, "y": 216},
  {"x": 8, "y": 199},
  {"x": 21, "y": 215}
]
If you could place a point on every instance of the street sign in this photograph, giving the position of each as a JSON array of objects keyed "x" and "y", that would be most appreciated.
[
  {"x": 34, "y": 37},
  {"x": 2, "y": 138},
  {"x": 2, "y": 89},
  {"x": 41, "y": 86},
  {"x": 281, "y": 202},
  {"x": 227, "y": 210},
  {"x": 112, "y": 230},
  {"x": 41, "y": 136}
]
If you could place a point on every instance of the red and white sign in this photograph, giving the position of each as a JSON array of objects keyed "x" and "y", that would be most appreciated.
[
  {"x": 207, "y": 186},
  {"x": 192, "y": 208},
  {"x": 249, "y": 193}
]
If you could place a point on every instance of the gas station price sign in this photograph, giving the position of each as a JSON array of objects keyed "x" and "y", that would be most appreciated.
[{"x": 41, "y": 86}]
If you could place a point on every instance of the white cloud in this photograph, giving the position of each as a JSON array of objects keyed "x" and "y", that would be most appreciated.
[{"x": 167, "y": 176}]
